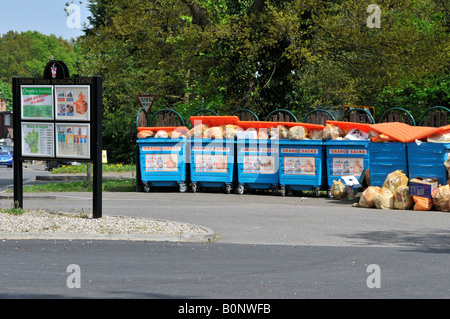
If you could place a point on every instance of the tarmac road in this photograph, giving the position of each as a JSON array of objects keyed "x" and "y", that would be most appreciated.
[
  {"x": 268, "y": 219},
  {"x": 30, "y": 172},
  {"x": 267, "y": 247}
]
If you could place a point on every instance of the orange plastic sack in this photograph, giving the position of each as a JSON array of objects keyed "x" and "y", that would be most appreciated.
[{"x": 422, "y": 203}]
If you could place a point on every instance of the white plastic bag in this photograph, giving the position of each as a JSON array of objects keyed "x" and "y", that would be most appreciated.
[{"x": 357, "y": 134}]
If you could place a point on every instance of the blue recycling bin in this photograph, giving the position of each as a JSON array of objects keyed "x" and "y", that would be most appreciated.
[
  {"x": 386, "y": 158},
  {"x": 257, "y": 164},
  {"x": 302, "y": 165},
  {"x": 212, "y": 163},
  {"x": 427, "y": 160},
  {"x": 346, "y": 158},
  {"x": 163, "y": 162}
]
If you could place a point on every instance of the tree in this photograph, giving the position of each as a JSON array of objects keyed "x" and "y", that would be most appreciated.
[
  {"x": 6, "y": 94},
  {"x": 25, "y": 54},
  {"x": 257, "y": 54}
]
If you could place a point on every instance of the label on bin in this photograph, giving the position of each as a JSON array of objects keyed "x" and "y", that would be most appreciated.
[
  {"x": 161, "y": 163},
  {"x": 347, "y": 166},
  {"x": 299, "y": 165},
  {"x": 210, "y": 149},
  {"x": 259, "y": 164},
  {"x": 161, "y": 148},
  {"x": 347, "y": 151},
  {"x": 299, "y": 151},
  {"x": 211, "y": 163},
  {"x": 259, "y": 150}
]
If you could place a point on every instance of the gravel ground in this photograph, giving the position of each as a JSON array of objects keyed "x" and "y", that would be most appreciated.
[{"x": 51, "y": 222}]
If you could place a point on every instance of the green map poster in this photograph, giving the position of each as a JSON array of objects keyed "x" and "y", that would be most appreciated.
[
  {"x": 37, "y": 102},
  {"x": 38, "y": 139}
]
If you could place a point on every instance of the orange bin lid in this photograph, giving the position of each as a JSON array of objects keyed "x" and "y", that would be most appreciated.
[
  {"x": 256, "y": 124},
  {"x": 428, "y": 131},
  {"x": 405, "y": 133},
  {"x": 346, "y": 126},
  {"x": 165, "y": 128},
  {"x": 213, "y": 121}
]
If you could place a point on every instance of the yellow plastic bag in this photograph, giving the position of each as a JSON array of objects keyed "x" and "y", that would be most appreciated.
[
  {"x": 441, "y": 198},
  {"x": 368, "y": 197},
  {"x": 447, "y": 166},
  {"x": 384, "y": 199},
  {"x": 332, "y": 132},
  {"x": 338, "y": 190},
  {"x": 395, "y": 179},
  {"x": 402, "y": 199}
]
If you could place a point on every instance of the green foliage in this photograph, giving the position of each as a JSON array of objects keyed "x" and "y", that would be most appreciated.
[
  {"x": 126, "y": 185},
  {"x": 78, "y": 169},
  {"x": 257, "y": 54},
  {"x": 12, "y": 211},
  {"x": 261, "y": 55},
  {"x": 6, "y": 94},
  {"x": 416, "y": 97},
  {"x": 26, "y": 54}
]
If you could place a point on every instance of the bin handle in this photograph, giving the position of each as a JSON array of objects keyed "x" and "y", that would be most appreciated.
[{"x": 425, "y": 165}]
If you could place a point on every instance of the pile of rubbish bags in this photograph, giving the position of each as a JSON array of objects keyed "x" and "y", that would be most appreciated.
[
  {"x": 394, "y": 194},
  {"x": 230, "y": 127}
]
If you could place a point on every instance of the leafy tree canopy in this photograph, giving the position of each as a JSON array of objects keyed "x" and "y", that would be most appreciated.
[
  {"x": 25, "y": 54},
  {"x": 261, "y": 55},
  {"x": 264, "y": 54}
]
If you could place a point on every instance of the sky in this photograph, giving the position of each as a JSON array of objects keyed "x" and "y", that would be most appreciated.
[{"x": 46, "y": 16}]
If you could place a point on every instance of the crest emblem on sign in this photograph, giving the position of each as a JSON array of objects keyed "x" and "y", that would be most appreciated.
[{"x": 54, "y": 68}]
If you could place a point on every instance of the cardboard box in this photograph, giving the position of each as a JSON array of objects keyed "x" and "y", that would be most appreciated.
[{"x": 424, "y": 187}]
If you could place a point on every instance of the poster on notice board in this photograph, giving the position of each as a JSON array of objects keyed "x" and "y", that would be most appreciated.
[
  {"x": 36, "y": 102},
  {"x": 73, "y": 140},
  {"x": 72, "y": 103}
]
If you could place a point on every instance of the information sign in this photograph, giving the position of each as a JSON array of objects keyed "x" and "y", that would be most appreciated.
[
  {"x": 36, "y": 102},
  {"x": 37, "y": 139},
  {"x": 72, "y": 102},
  {"x": 73, "y": 141},
  {"x": 58, "y": 118}
]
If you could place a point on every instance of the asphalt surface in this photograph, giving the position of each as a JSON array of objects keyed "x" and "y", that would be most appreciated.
[
  {"x": 267, "y": 219},
  {"x": 162, "y": 270},
  {"x": 265, "y": 247}
]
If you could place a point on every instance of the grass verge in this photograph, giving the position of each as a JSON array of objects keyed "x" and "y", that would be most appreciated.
[
  {"x": 123, "y": 185},
  {"x": 82, "y": 168}
]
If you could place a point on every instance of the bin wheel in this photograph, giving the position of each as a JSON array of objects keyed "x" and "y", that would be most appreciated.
[
  {"x": 329, "y": 194},
  {"x": 240, "y": 189},
  {"x": 275, "y": 190},
  {"x": 317, "y": 190},
  {"x": 146, "y": 188},
  {"x": 283, "y": 191},
  {"x": 183, "y": 187},
  {"x": 228, "y": 188},
  {"x": 194, "y": 188}
]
